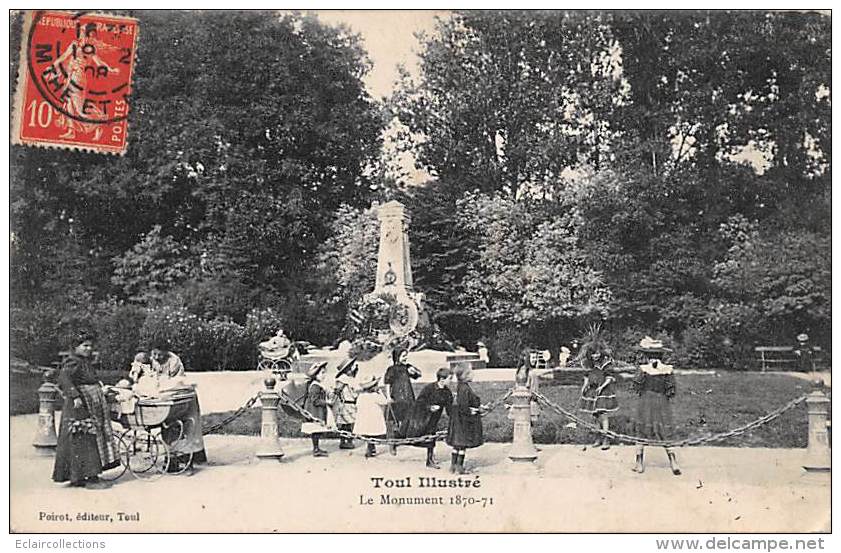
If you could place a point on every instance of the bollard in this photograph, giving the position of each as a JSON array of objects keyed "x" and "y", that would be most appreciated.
[
  {"x": 269, "y": 448},
  {"x": 818, "y": 457},
  {"x": 522, "y": 449},
  {"x": 45, "y": 436}
]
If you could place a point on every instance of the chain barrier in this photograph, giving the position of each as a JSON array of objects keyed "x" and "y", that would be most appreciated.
[
  {"x": 697, "y": 440},
  {"x": 440, "y": 435},
  {"x": 237, "y": 414}
]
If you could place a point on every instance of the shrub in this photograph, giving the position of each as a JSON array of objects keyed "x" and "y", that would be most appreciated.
[
  {"x": 118, "y": 332},
  {"x": 506, "y": 346},
  {"x": 39, "y": 331}
]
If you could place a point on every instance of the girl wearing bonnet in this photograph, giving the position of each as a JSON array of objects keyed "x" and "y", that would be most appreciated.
[{"x": 655, "y": 384}]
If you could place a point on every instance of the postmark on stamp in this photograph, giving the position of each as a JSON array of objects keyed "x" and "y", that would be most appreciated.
[{"x": 74, "y": 81}]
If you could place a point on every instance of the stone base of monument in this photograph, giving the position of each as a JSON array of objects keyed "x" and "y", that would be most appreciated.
[{"x": 428, "y": 361}]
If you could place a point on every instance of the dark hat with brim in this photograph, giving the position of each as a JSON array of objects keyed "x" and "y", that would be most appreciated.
[
  {"x": 346, "y": 366},
  {"x": 315, "y": 369}
]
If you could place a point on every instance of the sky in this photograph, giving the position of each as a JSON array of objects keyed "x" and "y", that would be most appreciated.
[{"x": 389, "y": 39}]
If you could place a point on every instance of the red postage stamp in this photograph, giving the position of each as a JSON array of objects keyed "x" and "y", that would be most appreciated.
[{"x": 74, "y": 81}]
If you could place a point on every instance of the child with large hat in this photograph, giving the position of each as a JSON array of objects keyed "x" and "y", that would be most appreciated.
[
  {"x": 315, "y": 402},
  {"x": 345, "y": 394},
  {"x": 655, "y": 384}
]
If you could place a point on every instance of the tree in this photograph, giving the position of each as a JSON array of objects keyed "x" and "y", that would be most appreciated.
[
  {"x": 246, "y": 132},
  {"x": 509, "y": 100},
  {"x": 531, "y": 270}
]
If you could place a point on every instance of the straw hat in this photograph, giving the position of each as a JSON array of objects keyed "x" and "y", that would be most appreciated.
[
  {"x": 315, "y": 369},
  {"x": 346, "y": 366},
  {"x": 650, "y": 345}
]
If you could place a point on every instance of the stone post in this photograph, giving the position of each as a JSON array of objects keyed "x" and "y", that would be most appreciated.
[
  {"x": 45, "y": 437},
  {"x": 269, "y": 448},
  {"x": 818, "y": 458},
  {"x": 522, "y": 449}
]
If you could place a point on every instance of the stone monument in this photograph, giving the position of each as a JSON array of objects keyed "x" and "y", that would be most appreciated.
[
  {"x": 394, "y": 267},
  {"x": 394, "y": 278}
]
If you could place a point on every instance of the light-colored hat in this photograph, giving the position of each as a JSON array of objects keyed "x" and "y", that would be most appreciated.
[
  {"x": 315, "y": 369},
  {"x": 650, "y": 345},
  {"x": 369, "y": 384},
  {"x": 803, "y": 337},
  {"x": 346, "y": 366}
]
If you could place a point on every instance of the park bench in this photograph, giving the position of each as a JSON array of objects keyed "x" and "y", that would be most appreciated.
[{"x": 782, "y": 357}]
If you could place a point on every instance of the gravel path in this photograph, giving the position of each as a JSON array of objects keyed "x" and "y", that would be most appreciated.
[{"x": 571, "y": 490}]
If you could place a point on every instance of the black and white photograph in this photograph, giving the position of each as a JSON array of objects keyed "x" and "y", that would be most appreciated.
[{"x": 408, "y": 271}]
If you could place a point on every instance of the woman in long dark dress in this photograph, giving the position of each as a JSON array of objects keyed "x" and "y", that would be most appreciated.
[
  {"x": 86, "y": 444},
  {"x": 398, "y": 389},
  {"x": 465, "y": 430},
  {"x": 432, "y": 401},
  {"x": 655, "y": 384}
]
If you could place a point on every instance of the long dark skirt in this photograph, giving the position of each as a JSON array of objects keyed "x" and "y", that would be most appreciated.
[
  {"x": 77, "y": 456},
  {"x": 654, "y": 416}
]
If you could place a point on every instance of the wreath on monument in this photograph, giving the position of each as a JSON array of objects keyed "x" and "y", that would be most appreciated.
[{"x": 379, "y": 320}]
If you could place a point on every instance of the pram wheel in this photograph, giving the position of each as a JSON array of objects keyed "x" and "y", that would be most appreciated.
[
  {"x": 278, "y": 367},
  {"x": 147, "y": 453}
]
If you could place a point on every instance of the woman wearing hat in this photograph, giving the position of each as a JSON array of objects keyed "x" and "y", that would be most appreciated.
[
  {"x": 345, "y": 394},
  {"x": 398, "y": 390},
  {"x": 432, "y": 401},
  {"x": 465, "y": 430},
  {"x": 370, "y": 413},
  {"x": 86, "y": 443},
  {"x": 655, "y": 384},
  {"x": 315, "y": 402}
]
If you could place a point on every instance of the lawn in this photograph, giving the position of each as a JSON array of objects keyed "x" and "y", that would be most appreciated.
[{"x": 704, "y": 404}]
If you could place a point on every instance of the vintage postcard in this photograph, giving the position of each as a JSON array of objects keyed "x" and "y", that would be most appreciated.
[{"x": 430, "y": 272}]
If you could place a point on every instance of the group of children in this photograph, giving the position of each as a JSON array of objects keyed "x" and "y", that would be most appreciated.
[
  {"x": 654, "y": 382},
  {"x": 387, "y": 407}
]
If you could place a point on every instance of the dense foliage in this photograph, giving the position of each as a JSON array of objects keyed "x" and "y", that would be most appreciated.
[{"x": 667, "y": 173}]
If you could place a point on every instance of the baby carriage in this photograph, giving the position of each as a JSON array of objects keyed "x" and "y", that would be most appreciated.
[
  {"x": 153, "y": 429},
  {"x": 279, "y": 359}
]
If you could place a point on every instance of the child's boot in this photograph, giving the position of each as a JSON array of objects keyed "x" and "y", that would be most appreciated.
[
  {"x": 371, "y": 451},
  {"x": 673, "y": 462},
  {"x": 316, "y": 450},
  {"x": 430, "y": 459},
  {"x": 454, "y": 464},
  {"x": 461, "y": 468},
  {"x": 640, "y": 465}
]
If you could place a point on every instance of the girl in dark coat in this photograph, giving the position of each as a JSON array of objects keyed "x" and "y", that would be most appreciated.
[
  {"x": 398, "y": 389},
  {"x": 423, "y": 420},
  {"x": 315, "y": 402},
  {"x": 86, "y": 444},
  {"x": 655, "y": 384},
  {"x": 465, "y": 429}
]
